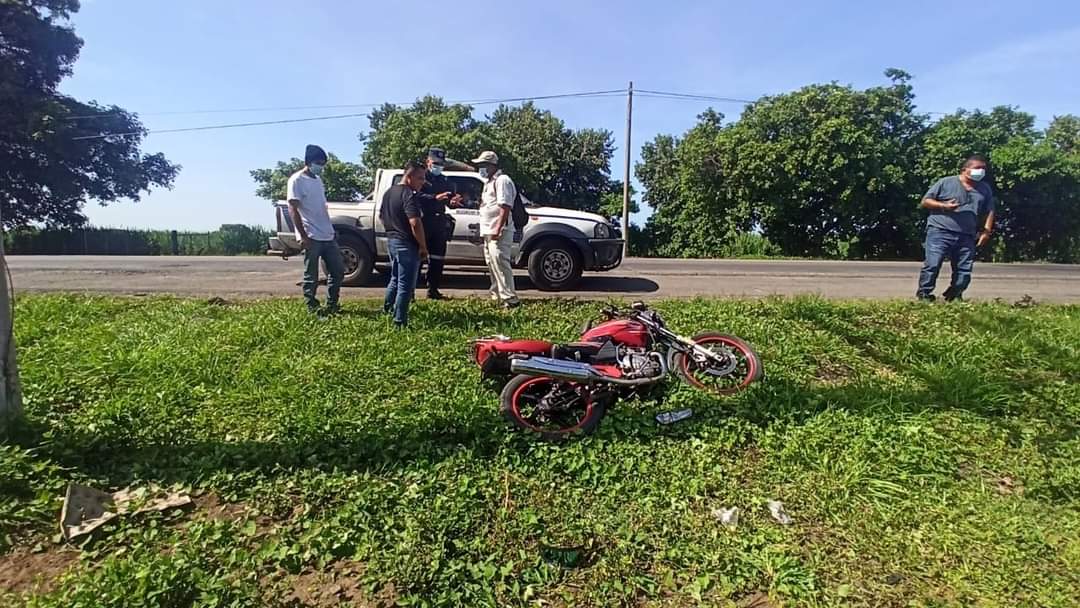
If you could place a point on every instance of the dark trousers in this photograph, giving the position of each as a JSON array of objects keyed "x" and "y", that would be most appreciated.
[
  {"x": 329, "y": 253},
  {"x": 959, "y": 248},
  {"x": 436, "y": 244}
]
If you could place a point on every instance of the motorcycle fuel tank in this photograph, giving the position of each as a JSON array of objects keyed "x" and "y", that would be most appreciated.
[{"x": 621, "y": 331}]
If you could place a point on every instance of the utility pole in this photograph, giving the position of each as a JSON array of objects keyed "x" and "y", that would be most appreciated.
[{"x": 626, "y": 173}]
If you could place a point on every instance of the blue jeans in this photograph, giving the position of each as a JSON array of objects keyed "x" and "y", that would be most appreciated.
[
  {"x": 404, "y": 266},
  {"x": 329, "y": 253},
  {"x": 959, "y": 249}
]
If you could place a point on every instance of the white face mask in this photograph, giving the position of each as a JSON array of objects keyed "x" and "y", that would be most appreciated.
[
  {"x": 315, "y": 169},
  {"x": 483, "y": 171},
  {"x": 435, "y": 170},
  {"x": 977, "y": 174}
]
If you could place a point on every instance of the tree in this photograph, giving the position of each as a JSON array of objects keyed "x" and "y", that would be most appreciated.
[
  {"x": 344, "y": 181},
  {"x": 1064, "y": 133},
  {"x": 398, "y": 134},
  {"x": 695, "y": 212},
  {"x": 549, "y": 162},
  {"x": 53, "y": 156},
  {"x": 828, "y": 168},
  {"x": 552, "y": 163}
]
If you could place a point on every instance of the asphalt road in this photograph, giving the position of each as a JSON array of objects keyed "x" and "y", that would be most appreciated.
[{"x": 232, "y": 277}]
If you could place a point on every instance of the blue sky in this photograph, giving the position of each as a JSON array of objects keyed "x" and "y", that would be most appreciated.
[{"x": 153, "y": 57}]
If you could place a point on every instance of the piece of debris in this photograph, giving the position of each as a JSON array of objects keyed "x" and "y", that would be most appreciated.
[
  {"x": 567, "y": 557},
  {"x": 1025, "y": 302},
  {"x": 87, "y": 509},
  {"x": 894, "y": 579},
  {"x": 1006, "y": 485},
  {"x": 218, "y": 301},
  {"x": 776, "y": 509},
  {"x": 729, "y": 516},
  {"x": 673, "y": 417},
  {"x": 755, "y": 600}
]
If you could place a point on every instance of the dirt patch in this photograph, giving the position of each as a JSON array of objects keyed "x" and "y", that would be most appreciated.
[
  {"x": 339, "y": 585},
  {"x": 25, "y": 572},
  {"x": 831, "y": 372},
  {"x": 217, "y": 510}
]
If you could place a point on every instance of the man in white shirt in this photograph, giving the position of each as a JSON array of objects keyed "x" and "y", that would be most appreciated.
[
  {"x": 496, "y": 202},
  {"x": 307, "y": 208}
]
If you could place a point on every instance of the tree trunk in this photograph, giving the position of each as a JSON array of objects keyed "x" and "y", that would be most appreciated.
[{"x": 10, "y": 395}]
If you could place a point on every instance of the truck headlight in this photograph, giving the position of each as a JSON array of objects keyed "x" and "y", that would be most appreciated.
[{"x": 603, "y": 231}]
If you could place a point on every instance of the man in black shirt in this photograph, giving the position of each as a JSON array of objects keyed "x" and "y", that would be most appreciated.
[
  {"x": 438, "y": 226},
  {"x": 406, "y": 243}
]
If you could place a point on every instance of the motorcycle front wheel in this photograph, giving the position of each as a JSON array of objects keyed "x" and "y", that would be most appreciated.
[
  {"x": 555, "y": 410},
  {"x": 742, "y": 366}
]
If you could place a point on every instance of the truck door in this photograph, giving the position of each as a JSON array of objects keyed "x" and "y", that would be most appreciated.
[{"x": 466, "y": 244}]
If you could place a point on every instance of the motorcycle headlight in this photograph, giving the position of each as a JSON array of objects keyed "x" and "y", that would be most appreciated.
[{"x": 603, "y": 231}]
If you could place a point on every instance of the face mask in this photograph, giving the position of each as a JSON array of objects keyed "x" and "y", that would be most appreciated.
[
  {"x": 977, "y": 174},
  {"x": 435, "y": 170},
  {"x": 315, "y": 169},
  {"x": 483, "y": 172}
]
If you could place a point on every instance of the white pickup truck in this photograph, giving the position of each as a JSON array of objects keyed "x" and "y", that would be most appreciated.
[{"x": 555, "y": 246}]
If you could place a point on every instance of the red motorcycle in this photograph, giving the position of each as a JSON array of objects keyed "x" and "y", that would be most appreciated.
[{"x": 558, "y": 390}]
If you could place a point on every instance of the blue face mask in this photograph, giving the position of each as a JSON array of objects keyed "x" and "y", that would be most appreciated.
[
  {"x": 977, "y": 174},
  {"x": 315, "y": 169},
  {"x": 483, "y": 171},
  {"x": 435, "y": 170}
]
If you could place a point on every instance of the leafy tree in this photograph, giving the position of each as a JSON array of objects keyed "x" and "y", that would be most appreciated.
[
  {"x": 399, "y": 134},
  {"x": 695, "y": 213},
  {"x": 549, "y": 162},
  {"x": 552, "y": 163},
  {"x": 829, "y": 167},
  {"x": 47, "y": 172},
  {"x": 1064, "y": 133},
  {"x": 344, "y": 181}
]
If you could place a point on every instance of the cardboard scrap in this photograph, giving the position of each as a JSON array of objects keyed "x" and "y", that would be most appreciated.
[{"x": 87, "y": 509}]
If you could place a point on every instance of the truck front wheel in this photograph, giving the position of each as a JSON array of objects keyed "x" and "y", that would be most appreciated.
[
  {"x": 357, "y": 258},
  {"x": 555, "y": 265}
]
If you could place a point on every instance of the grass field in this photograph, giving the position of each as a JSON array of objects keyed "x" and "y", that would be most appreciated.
[{"x": 928, "y": 454}]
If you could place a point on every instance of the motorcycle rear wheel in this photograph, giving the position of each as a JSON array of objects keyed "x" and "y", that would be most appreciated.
[
  {"x": 748, "y": 368},
  {"x": 521, "y": 398}
]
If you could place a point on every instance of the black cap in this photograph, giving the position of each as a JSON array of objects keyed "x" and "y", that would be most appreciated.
[
  {"x": 437, "y": 154},
  {"x": 314, "y": 154}
]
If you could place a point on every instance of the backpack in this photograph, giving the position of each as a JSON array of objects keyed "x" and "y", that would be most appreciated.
[{"x": 519, "y": 213}]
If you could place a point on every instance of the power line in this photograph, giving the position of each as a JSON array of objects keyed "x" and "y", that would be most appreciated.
[
  {"x": 589, "y": 94},
  {"x": 212, "y": 127},
  {"x": 486, "y": 101},
  {"x": 695, "y": 97}
]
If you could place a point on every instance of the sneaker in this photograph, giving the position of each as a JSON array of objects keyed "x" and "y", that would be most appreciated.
[
  {"x": 436, "y": 295},
  {"x": 332, "y": 309},
  {"x": 927, "y": 297},
  {"x": 511, "y": 304}
]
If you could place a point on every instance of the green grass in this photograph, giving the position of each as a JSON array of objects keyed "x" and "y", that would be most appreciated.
[{"x": 929, "y": 456}]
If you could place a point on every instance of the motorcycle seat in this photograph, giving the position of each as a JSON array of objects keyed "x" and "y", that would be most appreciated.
[{"x": 585, "y": 352}]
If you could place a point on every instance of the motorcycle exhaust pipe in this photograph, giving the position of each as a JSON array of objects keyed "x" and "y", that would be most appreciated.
[
  {"x": 572, "y": 371},
  {"x": 554, "y": 368}
]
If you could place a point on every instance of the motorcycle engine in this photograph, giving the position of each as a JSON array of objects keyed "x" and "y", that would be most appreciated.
[{"x": 639, "y": 363}]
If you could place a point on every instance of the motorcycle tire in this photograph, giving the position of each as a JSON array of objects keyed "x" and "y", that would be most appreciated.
[
  {"x": 514, "y": 405},
  {"x": 750, "y": 369}
]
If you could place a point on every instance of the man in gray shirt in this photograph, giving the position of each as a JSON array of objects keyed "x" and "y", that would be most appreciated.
[{"x": 956, "y": 203}]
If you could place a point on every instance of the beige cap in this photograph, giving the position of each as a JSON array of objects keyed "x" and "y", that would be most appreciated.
[{"x": 486, "y": 158}]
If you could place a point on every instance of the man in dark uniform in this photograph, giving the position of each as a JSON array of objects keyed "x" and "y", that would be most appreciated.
[{"x": 438, "y": 226}]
